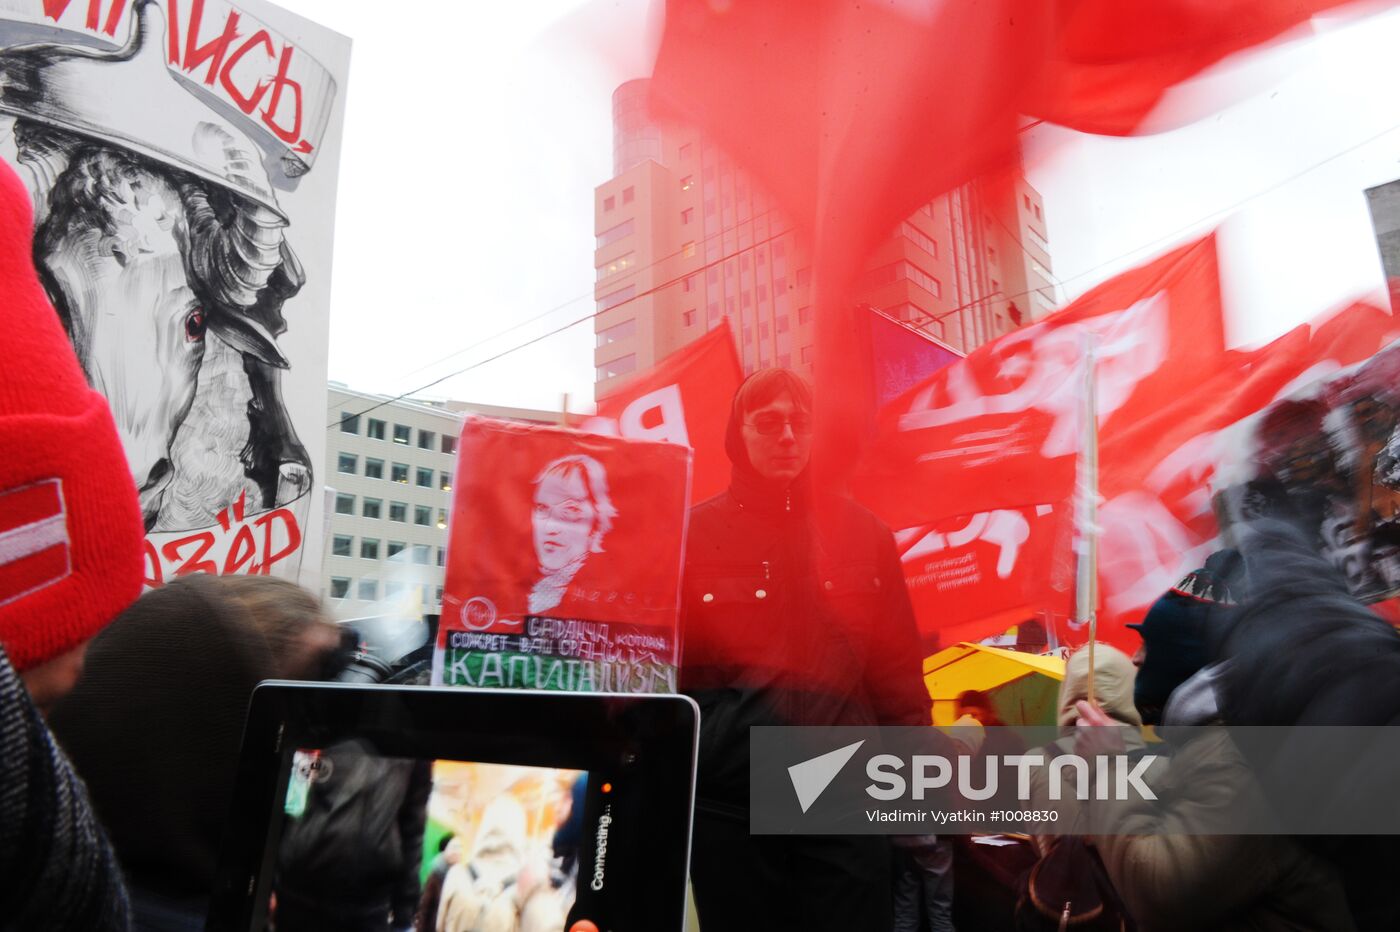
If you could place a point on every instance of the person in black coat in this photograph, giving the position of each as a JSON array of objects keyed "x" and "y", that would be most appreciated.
[
  {"x": 794, "y": 612},
  {"x": 1303, "y": 651}
]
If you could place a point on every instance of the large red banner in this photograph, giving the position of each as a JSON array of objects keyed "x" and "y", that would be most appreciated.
[
  {"x": 563, "y": 561},
  {"x": 977, "y": 466},
  {"x": 685, "y": 399}
]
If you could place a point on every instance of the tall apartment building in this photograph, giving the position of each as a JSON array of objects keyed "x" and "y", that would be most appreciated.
[
  {"x": 685, "y": 239},
  {"x": 390, "y": 466}
]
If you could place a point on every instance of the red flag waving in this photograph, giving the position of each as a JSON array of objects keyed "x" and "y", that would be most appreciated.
[
  {"x": 1000, "y": 429},
  {"x": 685, "y": 399}
]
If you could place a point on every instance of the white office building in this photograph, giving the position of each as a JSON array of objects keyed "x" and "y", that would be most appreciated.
[{"x": 389, "y": 469}]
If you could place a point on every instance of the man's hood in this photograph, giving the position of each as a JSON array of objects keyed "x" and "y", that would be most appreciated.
[{"x": 1114, "y": 674}]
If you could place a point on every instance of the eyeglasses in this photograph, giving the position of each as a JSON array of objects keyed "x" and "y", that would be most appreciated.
[{"x": 771, "y": 425}]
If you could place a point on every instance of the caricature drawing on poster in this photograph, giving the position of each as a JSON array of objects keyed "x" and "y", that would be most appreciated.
[
  {"x": 563, "y": 561},
  {"x": 182, "y": 160}
]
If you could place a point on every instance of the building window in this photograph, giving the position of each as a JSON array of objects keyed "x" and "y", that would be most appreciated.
[
  {"x": 341, "y": 545},
  {"x": 779, "y": 285},
  {"x": 1037, "y": 211},
  {"x": 399, "y": 473},
  {"x": 621, "y": 264},
  {"x": 1026, "y": 198},
  {"x": 344, "y": 504},
  {"x": 449, "y": 444},
  {"x": 422, "y": 515},
  {"x": 437, "y": 597},
  {"x": 442, "y": 519},
  {"x": 687, "y": 182},
  {"x": 349, "y": 423},
  {"x": 688, "y": 250},
  {"x": 424, "y": 478},
  {"x": 763, "y": 330},
  {"x": 804, "y": 276},
  {"x": 445, "y": 482},
  {"x": 609, "y": 203},
  {"x": 396, "y": 547},
  {"x": 392, "y": 588},
  {"x": 748, "y": 335},
  {"x": 374, "y": 469},
  {"x": 375, "y": 429},
  {"x": 782, "y": 322},
  {"x": 806, "y": 355},
  {"x": 402, "y": 433},
  {"x": 369, "y": 548},
  {"x": 629, "y": 195},
  {"x": 422, "y": 554},
  {"x": 730, "y": 305},
  {"x": 618, "y": 331},
  {"x": 372, "y": 508},
  {"x": 368, "y": 590},
  {"x": 804, "y": 315},
  {"x": 763, "y": 292},
  {"x": 617, "y": 367},
  {"x": 920, "y": 238},
  {"x": 442, "y": 556},
  {"x": 688, "y": 284},
  {"x": 398, "y": 511},
  {"x": 746, "y": 300},
  {"x": 426, "y": 440},
  {"x": 340, "y": 587},
  {"x": 712, "y": 312},
  {"x": 712, "y": 276},
  {"x": 621, "y": 296},
  {"x": 347, "y": 462},
  {"x": 688, "y": 318},
  {"x": 615, "y": 233}
]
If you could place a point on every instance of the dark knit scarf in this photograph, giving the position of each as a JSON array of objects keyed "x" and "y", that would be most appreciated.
[{"x": 57, "y": 871}]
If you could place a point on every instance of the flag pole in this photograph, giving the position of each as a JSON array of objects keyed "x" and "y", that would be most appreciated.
[{"x": 1087, "y": 543}]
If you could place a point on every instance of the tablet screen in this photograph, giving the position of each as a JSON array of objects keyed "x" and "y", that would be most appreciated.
[
  {"x": 396, "y": 808},
  {"x": 484, "y": 844}
]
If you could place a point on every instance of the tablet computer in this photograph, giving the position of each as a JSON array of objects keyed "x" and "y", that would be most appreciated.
[{"x": 569, "y": 812}]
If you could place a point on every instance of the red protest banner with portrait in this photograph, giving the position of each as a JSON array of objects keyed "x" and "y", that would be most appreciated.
[{"x": 563, "y": 561}]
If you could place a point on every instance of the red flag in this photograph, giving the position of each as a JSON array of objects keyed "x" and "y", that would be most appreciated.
[
  {"x": 563, "y": 561},
  {"x": 1000, "y": 429},
  {"x": 1111, "y": 62},
  {"x": 685, "y": 399}
]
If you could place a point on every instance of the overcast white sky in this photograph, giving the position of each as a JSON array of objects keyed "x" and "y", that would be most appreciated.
[{"x": 475, "y": 137}]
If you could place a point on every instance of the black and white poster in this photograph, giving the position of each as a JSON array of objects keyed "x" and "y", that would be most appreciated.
[{"x": 182, "y": 159}]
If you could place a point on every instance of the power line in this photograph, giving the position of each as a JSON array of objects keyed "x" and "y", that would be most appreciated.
[
  {"x": 971, "y": 304},
  {"x": 589, "y": 294},
  {"x": 558, "y": 330}
]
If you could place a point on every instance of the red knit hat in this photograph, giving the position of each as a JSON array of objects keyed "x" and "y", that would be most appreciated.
[{"x": 71, "y": 533}]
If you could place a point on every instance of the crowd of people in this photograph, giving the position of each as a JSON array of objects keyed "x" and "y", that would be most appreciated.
[{"x": 121, "y": 712}]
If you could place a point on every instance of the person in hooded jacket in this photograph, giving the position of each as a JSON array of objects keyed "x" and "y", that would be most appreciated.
[
  {"x": 1328, "y": 660},
  {"x": 1168, "y": 875},
  {"x": 794, "y": 612}
]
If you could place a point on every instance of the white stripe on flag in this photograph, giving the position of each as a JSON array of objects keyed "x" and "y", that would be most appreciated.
[{"x": 29, "y": 539}]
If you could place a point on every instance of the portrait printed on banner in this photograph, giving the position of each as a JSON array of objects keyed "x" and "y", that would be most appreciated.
[{"x": 562, "y": 545}]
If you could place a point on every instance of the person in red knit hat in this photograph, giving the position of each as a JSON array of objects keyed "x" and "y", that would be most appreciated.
[{"x": 71, "y": 558}]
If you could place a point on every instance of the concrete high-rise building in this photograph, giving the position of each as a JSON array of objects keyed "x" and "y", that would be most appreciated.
[
  {"x": 389, "y": 469},
  {"x": 685, "y": 239}
]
